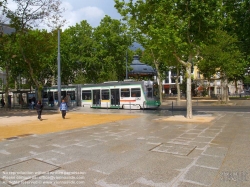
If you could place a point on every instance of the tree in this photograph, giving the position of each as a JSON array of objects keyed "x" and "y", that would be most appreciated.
[
  {"x": 7, "y": 59},
  {"x": 77, "y": 54},
  {"x": 2, "y": 2},
  {"x": 177, "y": 27},
  {"x": 111, "y": 43},
  {"x": 38, "y": 49},
  {"x": 222, "y": 56},
  {"x": 238, "y": 22},
  {"x": 153, "y": 56},
  {"x": 29, "y": 15}
]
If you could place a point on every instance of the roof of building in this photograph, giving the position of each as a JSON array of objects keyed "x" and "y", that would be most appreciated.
[
  {"x": 140, "y": 68},
  {"x": 6, "y": 29}
]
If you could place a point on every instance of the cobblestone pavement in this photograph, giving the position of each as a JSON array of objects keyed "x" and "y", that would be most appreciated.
[{"x": 142, "y": 151}]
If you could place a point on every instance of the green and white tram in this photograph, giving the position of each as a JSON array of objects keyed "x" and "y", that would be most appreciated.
[
  {"x": 50, "y": 94},
  {"x": 124, "y": 95}
]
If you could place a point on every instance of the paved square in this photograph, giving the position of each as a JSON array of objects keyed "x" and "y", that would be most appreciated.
[
  {"x": 176, "y": 149},
  {"x": 23, "y": 171}
]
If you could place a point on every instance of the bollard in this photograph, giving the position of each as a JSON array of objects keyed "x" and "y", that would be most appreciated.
[{"x": 172, "y": 107}]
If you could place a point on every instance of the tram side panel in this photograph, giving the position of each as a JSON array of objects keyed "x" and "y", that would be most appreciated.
[
  {"x": 136, "y": 95},
  {"x": 86, "y": 97},
  {"x": 50, "y": 95},
  {"x": 131, "y": 97},
  {"x": 151, "y": 96}
]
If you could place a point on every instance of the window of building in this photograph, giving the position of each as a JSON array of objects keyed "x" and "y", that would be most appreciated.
[
  {"x": 198, "y": 75},
  {"x": 172, "y": 80},
  {"x": 173, "y": 72},
  {"x": 167, "y": 80}
]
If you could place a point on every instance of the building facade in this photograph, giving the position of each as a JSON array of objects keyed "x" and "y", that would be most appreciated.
[
  {"x": 214, "y": 85},
  {"x": 169, "y": 84}
]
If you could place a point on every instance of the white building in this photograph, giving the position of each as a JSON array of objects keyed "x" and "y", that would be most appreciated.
[{"x": 169, "y": 85}]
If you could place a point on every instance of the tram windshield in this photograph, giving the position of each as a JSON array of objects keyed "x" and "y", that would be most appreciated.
[{"x": 149, "y": 92}]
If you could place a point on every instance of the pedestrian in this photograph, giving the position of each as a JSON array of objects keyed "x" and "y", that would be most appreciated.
[
  {"x": 2, "y": 102},
  {"x": 33, "y": 103},
  {"x": 29, "y": 103},
  {"x": 68, "y": 100},
  {"x": 63, "y": 108},
  {"x": 9, "y": 101},
  {"x": 39, "y": 108}
]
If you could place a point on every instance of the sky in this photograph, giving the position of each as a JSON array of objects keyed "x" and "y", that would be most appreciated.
[
  {"x": 77, "y": 10},
  {"x": 91, "y": 10}
]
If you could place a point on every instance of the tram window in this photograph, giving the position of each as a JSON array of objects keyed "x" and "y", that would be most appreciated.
[
  {"x": 56, "y": 95},
  {"x": 135, "y": 92},
  {"x": 125, "y": 92},
  {"x": 105, "y": 94},
  {"x": 86, "y": 95},
  {"x": 63, "y": 94},
  {"x": 149, "y": 92},
  {"x": 72, "y": 95},
  {"x": 50, "y": 94},
  {"x": 45, "y": 94}
]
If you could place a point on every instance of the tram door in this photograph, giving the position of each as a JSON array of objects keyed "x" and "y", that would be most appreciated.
[
  {"x": 96, "y": 98},
  {"x": 115, "y": 97}
]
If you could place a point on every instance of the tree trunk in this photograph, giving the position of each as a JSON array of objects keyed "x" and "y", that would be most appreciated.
[
  {"x": 236, "y": 86},
  {"x": 178, "y": 87},
  {"x": 224, "y": 91},
  {"x": 188, "y": 94},
  {"x": 39, "y": 94},
  {"x": 160, "y": 88},
  {"x": 159, "y": 78},
  {"x": 209, "y": 92},
  {"x": 6, "y": 90}
]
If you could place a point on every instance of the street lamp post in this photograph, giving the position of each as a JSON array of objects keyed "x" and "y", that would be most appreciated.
[
  {"x": 126, "y": 64},
  {"x": 59, "y": 70}
]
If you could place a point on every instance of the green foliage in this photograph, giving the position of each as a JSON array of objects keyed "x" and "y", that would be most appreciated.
[
  {"x": 93, "y": 55},
  {"x": 29, "y": 13},
  {"x": 222, "y": 55},
  {"x": 111, "y": 43},
  {"x": 76, "y": 51},
  {"x": 37, "y": 50},
  {"x": 246, "y": 80},
  {"x": 171, "y": 32}
]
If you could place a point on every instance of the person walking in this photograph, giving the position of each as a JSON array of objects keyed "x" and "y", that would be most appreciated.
[
  {"x": 9, "y": 101},
  {"x": 68, "y": 100},
  {"x": 63, "y": 108},
  {"x": 39, "y": 108},
  {"x": 2, "y": 102}
]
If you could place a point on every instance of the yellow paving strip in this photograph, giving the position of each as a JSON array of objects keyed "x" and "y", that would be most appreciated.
[{"x": 53, "y": 123}]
